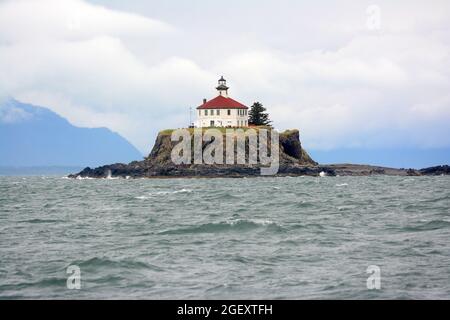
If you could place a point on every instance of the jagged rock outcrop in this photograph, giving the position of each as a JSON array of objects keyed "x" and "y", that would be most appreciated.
[
  {"x": 293, "y": 159},
  {"x": 290, "y": 149}
]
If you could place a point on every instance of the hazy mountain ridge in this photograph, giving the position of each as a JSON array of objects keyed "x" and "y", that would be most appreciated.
[{"x": 36, "y": 136}]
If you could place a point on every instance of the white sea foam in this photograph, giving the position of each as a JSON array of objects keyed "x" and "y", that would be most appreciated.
[
  {"x": 183, "y": 191},
  {"x": 142, "y": 197},
  {"x": 341, "y": 184},
  {"x": 84, "y": 178},
  {"x": 255, "y": 221},
  {"x": 161, "y": 193},
  {"x": 171, "y": 192},
  {"x": 262, "y": 222},
  {"x": 110, "y": 177}
]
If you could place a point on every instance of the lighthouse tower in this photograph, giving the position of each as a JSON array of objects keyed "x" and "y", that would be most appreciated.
[{"x": 222, "y": 87}]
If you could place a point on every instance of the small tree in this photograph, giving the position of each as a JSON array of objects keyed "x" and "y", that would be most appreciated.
[{"x": 257, "y": 115}]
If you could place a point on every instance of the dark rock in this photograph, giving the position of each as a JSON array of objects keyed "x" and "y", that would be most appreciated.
[
  {"x": 412, "y": 172},
  {"x": 436, "y": 171}
]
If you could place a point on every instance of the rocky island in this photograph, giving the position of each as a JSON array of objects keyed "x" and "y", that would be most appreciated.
[{"x": 293, "y": 161}]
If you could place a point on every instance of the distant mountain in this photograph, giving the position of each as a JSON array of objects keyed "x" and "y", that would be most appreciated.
[
  {"x": 33, "y": 136},
  {"x": 389, "y": 157}
]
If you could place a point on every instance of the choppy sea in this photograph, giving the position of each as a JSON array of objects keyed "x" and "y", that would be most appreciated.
[{"x": 255, "y": 238}]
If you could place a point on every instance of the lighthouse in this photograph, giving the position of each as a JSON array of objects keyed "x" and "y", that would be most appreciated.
[{"x": 222, "y": 111}]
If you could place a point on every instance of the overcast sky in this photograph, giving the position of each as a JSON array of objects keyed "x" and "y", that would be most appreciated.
[{"x": 346, "y": 73}]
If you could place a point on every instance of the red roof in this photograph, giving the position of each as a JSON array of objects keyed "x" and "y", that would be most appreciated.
[{"x": 221, "y": 102}]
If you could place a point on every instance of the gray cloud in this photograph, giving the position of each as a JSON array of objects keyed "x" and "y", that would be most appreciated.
[{"x": 138, "y": 66}]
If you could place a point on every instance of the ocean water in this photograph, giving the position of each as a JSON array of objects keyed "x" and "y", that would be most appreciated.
[{"x": 255, "y": 238}]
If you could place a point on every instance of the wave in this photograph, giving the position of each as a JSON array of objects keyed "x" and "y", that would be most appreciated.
[
  {"x": 56, "y": 282},
  {"x": 233, "y": 225},
  {"x": 316, "y": 227},
  {"x": 433, "y": 200},
  {"x": 341, "y": 184},
  {"x": 41, "y": 221},
  {"x": 162, "y": 193},
  {"x": 105, "y": 262},
  {"x": 183, "y": 191},
  {"x": 431, "y": 225},
  {"x": 142, "y": 197}
]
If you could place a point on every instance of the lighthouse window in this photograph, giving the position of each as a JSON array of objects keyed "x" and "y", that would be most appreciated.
[
  {"x": 212, "y": 112},
  {"x": 206, "y": 112},
  {"x": 218, "y": 112},
  {"x": 229, "y": 112}
]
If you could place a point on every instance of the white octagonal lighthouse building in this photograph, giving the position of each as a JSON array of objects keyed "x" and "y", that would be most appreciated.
[{"x": 222, "y": 111}]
